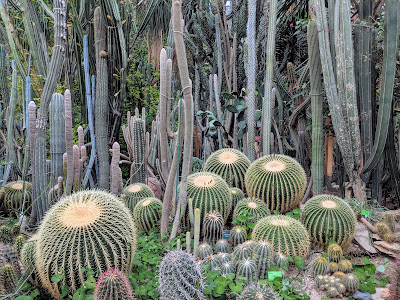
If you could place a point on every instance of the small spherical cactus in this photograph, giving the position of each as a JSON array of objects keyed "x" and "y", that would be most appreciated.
[
  {"x": 335, "y": 253},
  {"x": 345, "y": 266},
  {"x": 230, "y": 164},
  {"x": 257, "y": 292},
  {"x": 333, "y": 267},
  {"x": 390, "y": 219},
  {"x": 333, "y": 292},
  {"x": 222, "y": 245},
  {"x": 5, "y": 234},
  {"x": 247, "y": 268},
  {"x": 281, "y": 260},
  {"x": 285, "y": 234},
  {"x": 180, "y": 277},
  {"x": 382, "y": 228},
  {"x": 14, "y": 194},
  {"x": 254, "y": 207},
  {"x": 224, "y": 257},
  {"x": 91, "y": 229},
  {"x": 227, "y": 268},
  {"x": 341, "y": 288},
  {"x": 205, "y": 250},
  {"x": 147, "y": 213},
  {"x": 19, "y": 242},
  {"x": 213, "y": 225},
  {"x": 327, "y": 215},
  {"x": 241, "y": 252},
  {"x": 16, "y": 229},
  {"x": 351, "y": 282},
  {"x": 212, "y": 261},
  {"x": 278, "y": 180},
  {"x": 238, "y": 235},
  {"x": 113, "y": 284},
  {"x": 237, "y": 195},
  {"x": 388, "y": 237},
  {"x": 262, "y": 255},
  {"x": 8, "y": 278},
  {"x": 338, "y": 274},
  {"x": 250, "y": 244},
  {"x": 319, "y": 280},
  {"x": 135, "y": 192},
  {"x": 27, "y": 255},
  {"x": 319, "y": 266}
]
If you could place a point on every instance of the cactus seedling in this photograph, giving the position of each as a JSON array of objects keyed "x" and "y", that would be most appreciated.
[
  {"x": 345, "y": 266},
  {"x": 351, "y": 282},
  {"x": 333, "y": 267},
  {"x": 335, "y": 253}
]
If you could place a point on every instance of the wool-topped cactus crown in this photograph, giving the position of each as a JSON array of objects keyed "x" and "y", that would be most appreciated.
[
  {"x": 230, "y": 164},
  {"x": 90, "y": 229},
  {"x": 278, "y": 180},
  {"x": 285, "y": 234},
  {"x": 326, "y": 218},
  {"x": 254, "y": 207},
  {"x": 257, "y": 292},
  {"x": 135, "y": 192}
]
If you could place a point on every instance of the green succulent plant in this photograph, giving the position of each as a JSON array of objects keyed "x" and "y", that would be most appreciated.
[
  {"x": 241, "y": 252},
  {"x": 205, "y": 250},
  {"x": 287, "y": 235},
  {"x": 27, "y": 255},
  {"x": 237, "y": 195},
  {"x": 227, "y": 268},
  {"x": 222, "y": 245},
  {"x": 135, "y": 192},
  {"x": 212, "y": 261},
  {"x": 247, "y": 268},
  {"x": 262, "y": 255},
  {"x": 281, "y": 260},
  {"x": 254, "y": 207},
  {"x": 335, "y": 253},
  {"x": 14, "y": 194},
  {"x": 278, "y": 180},
  {"x": 319, "y": 266},
  {"x": 238, "y": 235},
  {"x": 213, "y": 226},
  {"x": 351, "y": 282},
  {"x": 257, "y": 292},
  {"x": 147, "y": 213},
  {"x": 345, "y": 266}
]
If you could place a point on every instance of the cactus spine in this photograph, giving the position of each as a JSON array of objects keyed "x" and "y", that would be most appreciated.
[
  {"x": 133, "y": 193},
  {"x": 147, "y": 213},
  {"x": 57, "y": 134},
  {"x": 213, "y": 225},
  {"x": 113, "y": 284}
]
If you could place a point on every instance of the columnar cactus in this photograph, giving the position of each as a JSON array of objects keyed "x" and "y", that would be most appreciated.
[
  {"x": 205, "y": 250},
  {"x": 254, "y": 207},
  {"x": 319, "y": 266},
  {"x": 57, "y": 134},
  {"x": 213, "y": 225},
  {"x": 262, "y": 255},
  {"x": 351, "y": 282},
  {"x": 238, "y": 235},
  {"x": 135, "y": 192},
  {"x": 180, "y": 277},
  {"x": 247, "y": 268},
  {"x": 10, "y": 268},
  {"x": 75, "y": 226},
  {"x": 115, "y": 171},
  {"x": 14, "y": 194},
  {"x": 335, "y": 253},
  {"x": 113, "y": 284},
  {"x": 230, "y": 164},
  {"x": 278, "y": 180},
  {"x": 19, "y": 242},
  {"x": 16, "y": 229},
  {"x": 286, "y": 235},
  {"x": 222, "y": 246},
  {"x": 237, "y": 195},
  {"x": 257, "y": 292},
  {"x": 147, "y": 213},
  {"x": 8, "y": 278},
  {"x": 327, "y": 215},
  {"x": 138, "y": 168},
  {"x": 241, "y": 252}
]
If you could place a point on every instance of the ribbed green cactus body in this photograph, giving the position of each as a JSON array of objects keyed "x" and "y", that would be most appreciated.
[
  {"x": 205, "y": 250},
  {"x": 91, "y": 229},
  {"x": 241, "y": 252},
  {"x": 225, "y": 257},
  {"x": 230, "y": 164},
  {"x": 285, "y": 234},
  {"x": 10, "y": 268},
  {"x": 209, "y": 193},
  {"x": 139, "y": 150},
  {"x": 213, "y": 225},
  {"x": 351, "y": 282},
  {"x": 5, "y": 234},
  {"x": 281, "y": 260},
  {"x": 237, "y": 235},
  {"x": 335, "y": 253},
  {"x": 12, "y": 196},
  {"x": 27, "y": 255},
  {"x": 345, "y": 266},
  {"x": 8, "y": 278},
  {"x": 327, "y": 217},
  {"x": 262, "y": 255},
  {"x": 255, "y": 207},
  {"x": 212, "y": 261},
  {"x": 227, "y": 268},
  {"x": 278, "y": 180},
  {"x": 247, "y": 268},
  {"x": 237, "y": 195},
  {"x": 135, "y": 192},
  {"x": 147, "y": 213},
  {"x": 257, "y": 292},
  {"x": 319, "y": 266},
  {"x": 53, "y": 195},
  {"x": 222, "y": 246},
  {"x": 113, "y": 285},
  {"x": 19, "y": 242}
]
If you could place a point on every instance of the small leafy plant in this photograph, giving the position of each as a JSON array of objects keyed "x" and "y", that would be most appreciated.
[{"x": 366, "y": 274}]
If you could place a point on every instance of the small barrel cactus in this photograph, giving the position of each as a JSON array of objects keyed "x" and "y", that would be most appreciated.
[
  {"x": 341, "y": 288},
  {"x": 5, "y": 234},
  {"x": 14, "y": 194},
  {"x": 76, "y": 226},
  {"x": 180, "y": 277},
  {"x": 224, "y": 257},
  {"x": 262, "y": 255},
  {"x": 351, "y": 282},
  {"x": 113, "y": 285},
  {"x": 345, "y": 266},
  {"x": 16, "y": 229},
  {"x": 247, "y": 268},
  {"x": 213, "y": 225},
  {"x": 285, "y": 234},
  {"x": 327, "y": 215},
  {"x": 27, "y": 255},
  {"x": 390, "y": 219},
  {"x": 227, "y": 268},
  {"x": 333, "y": 267},
  {"x": 19, "y": 242},
  {"x": 205, "y": 250},
  {"x": 222, "y": 245},
  {"x": 238, "y": 235},
  {"x": 319, "y": 280},
  {"x": 338, "y": 274},
  {"x": 333, "y": 292},
  {"x": 335, "y": 253},
  {"x": 254, "y": 207},
  {"x": 8, "y": 278},
  {"x": 241, "y": 252},
  {"x": 147, "y": 213},
  {"x": 278, "y": 180},
  {"x": 319, "y": 266},
  {"x": 237, "y": 195},
  {"x": 385, "y": 232},
  {"x": 250, "y": 244},
  {"x": 135, "y": 192},
  {"x": 230, "y": 164},
  {"x": 281, "y": 260},
  {"x": 212, "y": 261},
  {"x": 257, "y": 292}
]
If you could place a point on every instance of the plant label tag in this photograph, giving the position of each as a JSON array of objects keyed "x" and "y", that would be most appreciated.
[
  {"x": 365, "y": 213},
  {"x": 226, "y": 234},
  {"x": 273, "y": 274}
]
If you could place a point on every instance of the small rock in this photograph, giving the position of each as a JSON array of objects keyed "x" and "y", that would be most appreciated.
[{"x": 362, "y": 295}]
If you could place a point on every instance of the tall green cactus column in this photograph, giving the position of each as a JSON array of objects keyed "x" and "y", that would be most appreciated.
[
  {"x": 57, "y": 135},
  {"x": 316, "y": 107},
  {"x": 101, "y": 107},
  {"x": 269, "y": 72},
  {"x": 138, "y": 166}
]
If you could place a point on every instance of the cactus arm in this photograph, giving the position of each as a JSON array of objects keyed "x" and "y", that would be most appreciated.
[
  {"x": 391, "y": 37},
  {"x": 163, "y": 114},
  {"x": 69, "y": 170},
  {"x": 196, "y": 234},
  {"x": 57, "y": 134},
  {"x": 4, "y": 89},
  {"x": 251, "y": 80},
  {"x": 188, "y": 242},
  {"x": 102, "y": 106},
  {"x": 219, "y": 54}
]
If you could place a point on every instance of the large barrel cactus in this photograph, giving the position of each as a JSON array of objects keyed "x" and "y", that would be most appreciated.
[
  {"x": 90, "y": 229},
  {"x": 135, "y": 192},
  {"x": 14, "y": 194},
  {"x": 147, "y": 213},
  {"x": 254, "y": 207},
  {"x": 326, "y": 218},
  {"x": 230, "y": 164},
  {"x": 209, "y": 193},
  {"x": 287, "y": 235},
  {"x": 278, "y": 180}
]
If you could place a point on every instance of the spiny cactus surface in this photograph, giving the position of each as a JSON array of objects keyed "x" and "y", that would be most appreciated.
[
  {"x": 257, "y": 292},
  {"x": 14, "y": 194},
  {"x": 135, "y": 192},
  {"x": 113, "y": 285},
  {"x": 254, "y": 207},
  {"x": 147, "y": 213}
]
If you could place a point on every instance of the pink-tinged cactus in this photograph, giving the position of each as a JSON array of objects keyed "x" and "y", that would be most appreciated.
[{"x": 113, "y": 285}]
